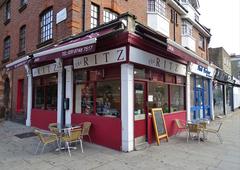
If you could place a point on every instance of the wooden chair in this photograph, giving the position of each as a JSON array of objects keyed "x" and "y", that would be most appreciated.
[
  {"x": 45, "y": 138},
  {"x": 181, "y": 126},
  {"x": 73, "y": 135},
  {"x": 85, "y": 130},
  {"x": 215, "y": 131}
]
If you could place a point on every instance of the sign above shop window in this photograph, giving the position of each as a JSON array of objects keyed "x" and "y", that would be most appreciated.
[
  {"x": 47, "y": 69},
  {"x": 148, "y": 59},
  {"x": 107, "y": 57},
  {"x": 202, "y": 71},
  {"x": 61, "y": 15}
]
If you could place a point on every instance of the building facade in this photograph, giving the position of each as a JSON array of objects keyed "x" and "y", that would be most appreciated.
[{"x": 87, "y": 62}]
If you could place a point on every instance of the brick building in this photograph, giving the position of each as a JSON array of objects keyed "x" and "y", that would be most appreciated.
[{"x": 156, "y": 60}]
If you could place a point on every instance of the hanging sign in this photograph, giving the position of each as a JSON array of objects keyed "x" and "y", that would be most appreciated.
[
  {"x": 142, "y": 57},
  {"x": 107, "y": 57}
]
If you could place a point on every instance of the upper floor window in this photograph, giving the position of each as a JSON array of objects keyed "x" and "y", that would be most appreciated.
[
  {"x": 23, "y": 2},
  {"x": 22, "y": 37},
  {"x": 94, "y": 15},
  {"x": 186, "y": 28},
  {"x": 109, "y": 15},
  {"x": 46, "y": 25},
  {"x": 158, "y": 6},
  {"x": 6, "y": 48},
  {"x": 201, "y": 41},
  {"x": 174, "y": 17},
  {"x": 7, "y": 11}
]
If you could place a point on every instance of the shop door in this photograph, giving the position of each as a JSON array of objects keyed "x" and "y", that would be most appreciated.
[
  {"x": 139, "y": 114},
  {"x": 199, "y": 110}
]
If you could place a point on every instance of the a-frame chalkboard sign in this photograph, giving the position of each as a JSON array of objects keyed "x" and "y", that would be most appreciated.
[{"x": 159, "y": 125}]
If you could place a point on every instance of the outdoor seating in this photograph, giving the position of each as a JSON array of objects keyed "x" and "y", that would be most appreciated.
[
  {"x": 197, "y": 128},
  {"x": 54, "y": 129},
  {"x": 72, "y": 135},
  {"x": 45, "y": 139},
  {"x": 181, "y": 126},
  {"x": 215, "y": 131},
  {"x": 85, "y": 130}
]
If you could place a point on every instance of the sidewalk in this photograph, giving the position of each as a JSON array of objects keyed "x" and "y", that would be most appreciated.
[{"x": 18, "y": 154}]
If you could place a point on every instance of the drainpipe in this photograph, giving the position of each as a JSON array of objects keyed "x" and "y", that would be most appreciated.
[{"x": 83, "y": 15}]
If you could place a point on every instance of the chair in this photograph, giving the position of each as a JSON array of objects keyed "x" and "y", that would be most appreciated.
[
  {"x": 45, "y": 138},
  {"x": 85, "y": 130},
  {"x": 181, "y": 125},
  {"x": 54, "y": 129},
  {"x": 73, "y": 135},
  {"x": 215, "y": 131},
  {"x": 195, "y": 128}
]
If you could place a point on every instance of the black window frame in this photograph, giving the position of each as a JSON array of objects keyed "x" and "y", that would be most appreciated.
[
  {"x": 95, "y": 17},
  {"x": 46, "y": 27},
  {"x": 202, "y": 45},
  {"x": 7, "y": 12},
  {"x": 6, "y": 48},
  {"x": 22, "y": 39}
]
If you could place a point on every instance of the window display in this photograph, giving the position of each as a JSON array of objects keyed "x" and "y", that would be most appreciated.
[
  {"x": 177, "y": 98},
  {"x": 45, "y": 92}
]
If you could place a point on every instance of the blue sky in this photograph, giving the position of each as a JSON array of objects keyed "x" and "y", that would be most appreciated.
[{"x": 223, "y": 18}]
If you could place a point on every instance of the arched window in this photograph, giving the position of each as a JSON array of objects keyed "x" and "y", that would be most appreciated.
[{"x": 46, "y": 25}]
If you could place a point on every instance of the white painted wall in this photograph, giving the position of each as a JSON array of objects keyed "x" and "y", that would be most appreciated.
[
  {"x": 189, "y": 42},
  {"x": 158, "y": 22},
  {"x": 127, "y": 83},
  {"x": 69, "y": 94},
  {"x": 236, "y": 97}
]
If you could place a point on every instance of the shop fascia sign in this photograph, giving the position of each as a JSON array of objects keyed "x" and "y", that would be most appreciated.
[
  {"x": 202, "y": 71},
  {"x": 107, "y": 57},
  {"x": 142, "y": 57},
  {"x": 47, "y": 69}
]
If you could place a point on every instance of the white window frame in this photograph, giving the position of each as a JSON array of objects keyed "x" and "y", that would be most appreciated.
[
  {"x": 187, "y": 28},
  {"x": 109, "y": 15},
  {"x": 94, "y": 15}
]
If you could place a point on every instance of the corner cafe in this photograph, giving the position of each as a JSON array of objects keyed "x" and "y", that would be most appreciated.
[{"x": 111, "y": 76}]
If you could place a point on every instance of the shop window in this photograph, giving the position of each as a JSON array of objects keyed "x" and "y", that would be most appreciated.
[
  {"x": 177, "y": 98},
  {"x": 170, "y": 78},
  {"x": 139, "y": 73},
  {"x": 45, "y": 92},
  {"x": 199, "y": 82},
  {"x": 84, "y": 101},
  {"x": 108, "y": 100},
  {"x": 206, "y": 90},
  {"x": 158, "y": 93},
  {"x": 20, "y": 95}
]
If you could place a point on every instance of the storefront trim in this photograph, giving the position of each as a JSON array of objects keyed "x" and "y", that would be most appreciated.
[
  {"x": 46, "y": 69},
  {"x": 145, "y": 58},
  {"x": 107, "y": 57}
]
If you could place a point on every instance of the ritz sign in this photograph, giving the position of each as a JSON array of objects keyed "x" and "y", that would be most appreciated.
[
  {"x": 107, "y": 57},
  {"x": 47, "y": 69},
  {"x": 148, "y": 59}
]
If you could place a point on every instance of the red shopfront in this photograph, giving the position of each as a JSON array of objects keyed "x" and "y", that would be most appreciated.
[{"x": 113, "y": 87}]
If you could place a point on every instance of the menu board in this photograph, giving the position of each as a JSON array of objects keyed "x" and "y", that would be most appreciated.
[{"x": 159, "y": 124}]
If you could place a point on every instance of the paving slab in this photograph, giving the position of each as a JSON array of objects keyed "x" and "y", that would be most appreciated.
[{"x": 18, "y": 154}]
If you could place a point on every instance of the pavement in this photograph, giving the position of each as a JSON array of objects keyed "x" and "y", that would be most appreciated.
[{"x": 18, "y": 154}]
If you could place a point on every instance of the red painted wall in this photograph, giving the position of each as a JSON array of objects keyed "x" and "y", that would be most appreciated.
[
  {"x": 104, "y": 131},
  {"x": 42, "y": 118},
  {"x": 170, "y": 124},
  {"x": 139, "y": 128}
]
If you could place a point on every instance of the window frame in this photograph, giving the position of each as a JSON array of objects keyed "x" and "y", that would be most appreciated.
[
  {"x": 7, "y": 48},
  {"x": 187, "y": 28},
  {"x": 109, "y": 15},
  {"x": 22, "y": 39},
  {"x": 201, "y": 42},
  {"x": 23, "y": 2},
  {"x": 158, "y": 6},
  {"x": 95, "y": 15},
  {"x": 45, "y": 26},
  {"x": 7, "y": 12}
]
